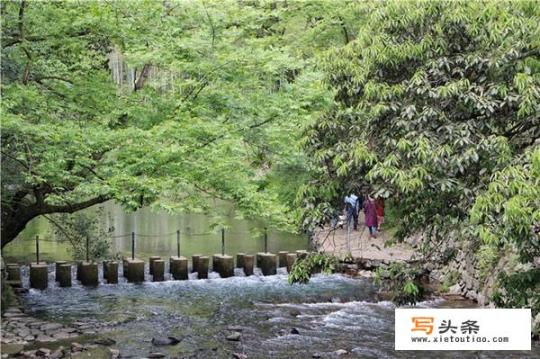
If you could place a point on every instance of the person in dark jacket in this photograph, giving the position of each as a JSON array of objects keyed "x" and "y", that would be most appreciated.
[{"x": 370, "y": 213}]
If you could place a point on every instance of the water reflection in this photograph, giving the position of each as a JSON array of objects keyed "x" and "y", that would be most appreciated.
[{"x": 155, "y": 234}]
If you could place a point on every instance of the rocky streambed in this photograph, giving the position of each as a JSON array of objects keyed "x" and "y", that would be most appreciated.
[{"x": 238, "y": 317}]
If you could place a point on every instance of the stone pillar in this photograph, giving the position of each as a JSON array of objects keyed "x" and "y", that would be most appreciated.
[
  {"x": 282, "y": 258},
  {"x": 78, "y": 272},
  {"x": 202, "y": 267},
  {"x": 225, "y": 265},
  {"x": 158, "y": 270},
  {"x": 301, "y": 254},
  {"x": 151, "y": 263},
  {"x": 291, "y": 258},
  {"x": 104, "y": 266},
  {"x": 195, "y": 263},
  {"x": 89, "y": 273},
  {"x": 58, "y": 264},
  {"x": 13, "y": 272},
  {"x": 125, "y": 266},
  {"x": 39, "y": 276},
  {"x": 110, "y": 272},
  {"x": 216, "y": 264},
  {"x": 248, "y": 264},
  {"x": 240, "y": 260},
  {"x": 179, "y": 267},
  {"x": 135, "y": 270},
  {"x": 267, "y": 263},
  {"x": 63, "y": 274}
]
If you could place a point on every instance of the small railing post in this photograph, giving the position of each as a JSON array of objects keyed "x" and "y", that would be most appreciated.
[
  {"x": 178, "y": 242},
  {"x": 265, "y": 240},
  {"x": 87, "y": 246},
  {"x": 37, "y": 249},
  {"x": 222, "y": 241},
  {"x": 132, "y": 245}
]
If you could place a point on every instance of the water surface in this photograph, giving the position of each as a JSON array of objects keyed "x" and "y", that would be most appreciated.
[{"x": 330, "y": 313}]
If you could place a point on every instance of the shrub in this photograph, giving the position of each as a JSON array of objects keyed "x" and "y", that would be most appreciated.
[
  {"x": 402, "y": 281},
  {"x": 303, "y": 269}
]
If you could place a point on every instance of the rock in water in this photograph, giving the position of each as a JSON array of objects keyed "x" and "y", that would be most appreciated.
[
  {"x": 239, "y": 356},
  {"x": 156, "y": 355},
  {"x": 234, "y": 337},
  {"x": 295, "y": 331},
  {"x": 105, "y": 341},
  {"x": 165, "y": 341},
  {"x": 294, "y": 312}
]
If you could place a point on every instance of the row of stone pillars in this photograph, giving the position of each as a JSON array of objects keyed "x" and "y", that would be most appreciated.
[{"x": 133, "y": 269}]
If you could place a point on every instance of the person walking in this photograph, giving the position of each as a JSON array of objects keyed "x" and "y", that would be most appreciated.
[
  {"x": 371, "y": 216},
  {"x": 351, "y": 208},
  {"x": 379, "y": 207}
]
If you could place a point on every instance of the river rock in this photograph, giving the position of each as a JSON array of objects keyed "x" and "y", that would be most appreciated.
[
  {"x": 115, "y": 353},
  {"x": 156, "y": 355},
  {"x": 294, "y": 312},
  {"x": 57, "y": 354},
  {"x": 294, "y": 331},
  {"x": 235, "y": 328},
  {"x": 93, "y": 352},
  {"x": 239, "y": 356},
  {"x": 43, "y": 352},
  {"x": 11, "y": 348},
  {"x": 76, "y": 347},
  {"x": 165, "y": 341},
  {"x": 50, "y": 326},
  {"x": 341, "y": 352},
  {"x": 233, "y": 337},
  {"x": 105, "y": 341},
  {"x": 45, "y": 338}
]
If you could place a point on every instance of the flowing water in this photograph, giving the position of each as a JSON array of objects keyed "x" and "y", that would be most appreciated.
[{"x": 329, "y": 313}]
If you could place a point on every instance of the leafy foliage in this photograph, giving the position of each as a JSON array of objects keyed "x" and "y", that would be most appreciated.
[
  {"x": 437, "y": 107},
  {"x": 402, "y": 281},
  {"x": 205, "y": 102},
  {"x": 80, "y": 229},
  {"x": 303, "y": 269}
]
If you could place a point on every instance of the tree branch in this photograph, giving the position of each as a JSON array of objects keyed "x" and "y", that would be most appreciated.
[
  {"x": 144, "y": 76},
  {"x": 70, "y": 208}
]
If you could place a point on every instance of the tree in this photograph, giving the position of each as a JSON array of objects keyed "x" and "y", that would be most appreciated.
[
  {"x": 201, "y": 103},
  {"x": 436, "y": 104}
]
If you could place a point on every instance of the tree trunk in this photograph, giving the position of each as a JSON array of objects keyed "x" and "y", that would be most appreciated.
[{"x": 16, "y": 217}]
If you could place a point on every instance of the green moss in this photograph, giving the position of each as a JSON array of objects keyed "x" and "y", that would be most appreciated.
[
  {"x": 449, "y": 280},
  {"x": 8, "y": 296}
]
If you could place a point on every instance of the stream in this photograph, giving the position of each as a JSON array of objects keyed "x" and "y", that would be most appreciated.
[{"x": 277, "y": 320}]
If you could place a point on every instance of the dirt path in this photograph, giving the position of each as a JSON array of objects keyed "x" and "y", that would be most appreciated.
[{"x": 361, "y": 245}]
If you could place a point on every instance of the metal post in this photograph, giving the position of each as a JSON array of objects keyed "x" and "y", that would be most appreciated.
[
  {"x": 87, "y": 254},
  {"x": 178, "y": 242},
  {"x": 37, "y": 249},
  {"x": 265, "y": 240},
  {"x": 132, "y": 245},
  {"x": 222, "y": 241}
]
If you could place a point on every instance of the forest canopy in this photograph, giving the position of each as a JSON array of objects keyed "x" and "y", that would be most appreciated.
[{"x": 165, "y": 104}]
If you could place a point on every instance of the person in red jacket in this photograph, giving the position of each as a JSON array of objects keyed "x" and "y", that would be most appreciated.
[
  {"x": 371, "y": 216},
  {"x": 379, "y": 207}
]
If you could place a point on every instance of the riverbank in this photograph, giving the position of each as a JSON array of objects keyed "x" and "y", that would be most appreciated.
[{"x": 26, "y": 336}]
